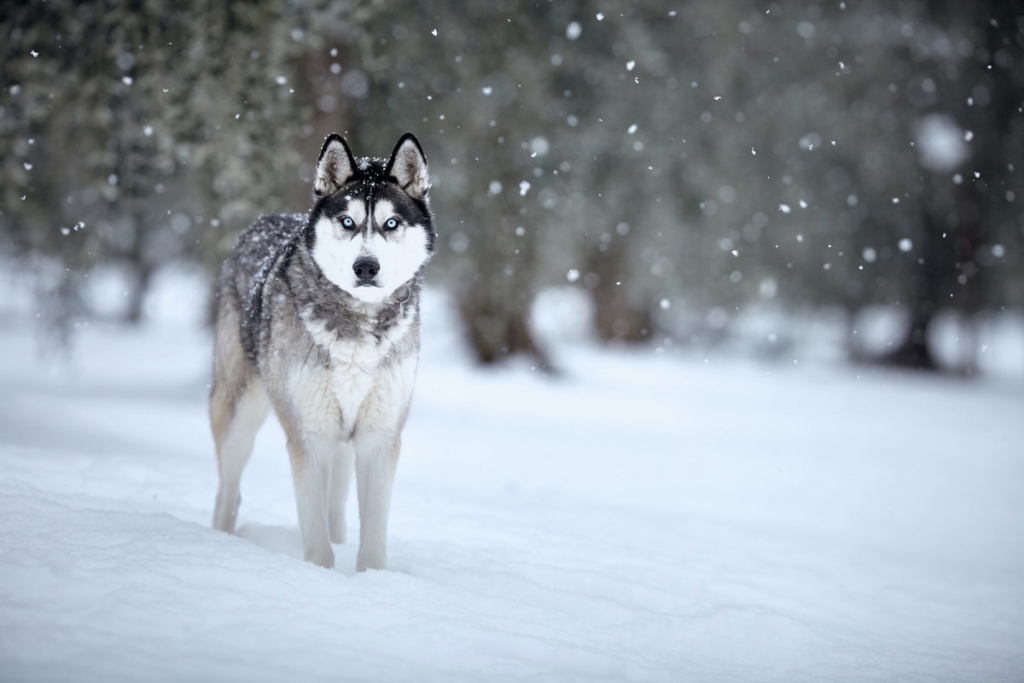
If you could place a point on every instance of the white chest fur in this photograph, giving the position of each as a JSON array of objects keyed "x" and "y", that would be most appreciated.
[{"x": 362, "y": 375}]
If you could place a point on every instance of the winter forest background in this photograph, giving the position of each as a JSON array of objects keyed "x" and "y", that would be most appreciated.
[{"x": 686, "y": 165}]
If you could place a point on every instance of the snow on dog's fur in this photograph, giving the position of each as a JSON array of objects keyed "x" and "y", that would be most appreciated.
[{"x": 318, "y": 317}]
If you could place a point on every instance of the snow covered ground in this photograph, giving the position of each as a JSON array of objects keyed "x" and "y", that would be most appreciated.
[{"x": 641, "y": 518}]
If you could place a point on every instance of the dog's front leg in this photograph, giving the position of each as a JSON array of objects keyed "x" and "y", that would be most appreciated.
[
  {"x": 341, "y": 475},
  {"x": 311, "y": 469},
  {"x": 376, "y": 461}
]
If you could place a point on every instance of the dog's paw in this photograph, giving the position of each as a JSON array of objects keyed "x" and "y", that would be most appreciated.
[
  {"x": 323, "y": 557},
  {"x": 369, "y": 560}
]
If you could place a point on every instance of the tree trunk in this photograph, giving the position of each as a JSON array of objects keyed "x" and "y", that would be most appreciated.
[
  {"x": 498, "y": 288},
  {"x": 497, "y": 327},
  {"x": 620, "y": 316},
  {"x": 143, "y": 276},
  {"x": 914, "y": 353}
]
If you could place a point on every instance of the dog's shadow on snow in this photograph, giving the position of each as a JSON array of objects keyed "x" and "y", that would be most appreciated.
[{"x": 288, "y": 541}]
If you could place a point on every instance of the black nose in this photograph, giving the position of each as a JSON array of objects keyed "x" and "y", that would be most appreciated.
[{"x": 366, "y": 268}]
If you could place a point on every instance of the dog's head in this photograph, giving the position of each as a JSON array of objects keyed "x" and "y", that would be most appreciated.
[{"x": 370, "y": 229}]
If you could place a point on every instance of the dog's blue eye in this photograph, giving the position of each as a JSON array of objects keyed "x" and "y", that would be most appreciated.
[
  {"x": 348, "y": 223},
  {"x": 391, "y": 224}
]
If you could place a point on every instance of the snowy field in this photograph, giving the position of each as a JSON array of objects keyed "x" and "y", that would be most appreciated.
[{"x": 642, "y": 518}]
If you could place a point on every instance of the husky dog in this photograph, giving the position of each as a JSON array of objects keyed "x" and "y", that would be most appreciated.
[{"x": 318, "y": 316}]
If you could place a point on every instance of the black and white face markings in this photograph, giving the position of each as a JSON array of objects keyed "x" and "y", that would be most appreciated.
[{"x": 372, "y": 232}]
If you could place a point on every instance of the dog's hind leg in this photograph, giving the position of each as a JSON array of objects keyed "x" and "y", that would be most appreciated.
[
  {"x": 236, "y": 413},
  {"x": 341, "y": 476},
  {"x": 238, "y": 406}
]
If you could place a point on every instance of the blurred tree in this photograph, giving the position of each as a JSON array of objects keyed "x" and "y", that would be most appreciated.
[
  {"x": 960, "y": 113},
  {"x": 76, "y": 120},
  {"x": 154, "y": 132}
]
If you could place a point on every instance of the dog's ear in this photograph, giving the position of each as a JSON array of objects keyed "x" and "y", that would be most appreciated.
[
  {"x": 334, "y": 167},
  {"x": 408, "y": 165}
]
